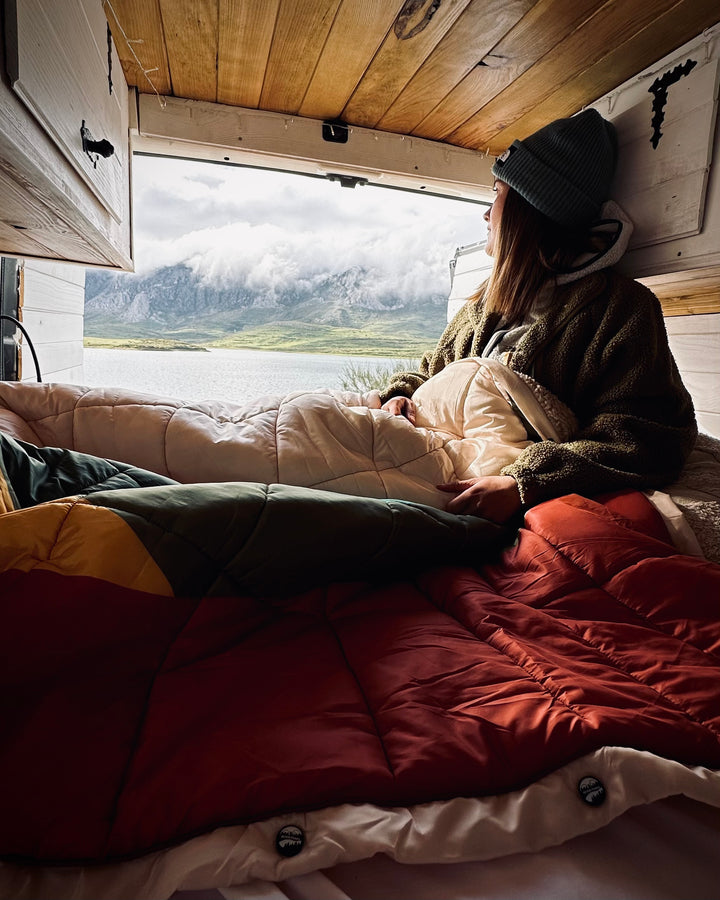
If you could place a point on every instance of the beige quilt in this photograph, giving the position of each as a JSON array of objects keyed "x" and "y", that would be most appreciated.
[{"x": 470, "y": 422}]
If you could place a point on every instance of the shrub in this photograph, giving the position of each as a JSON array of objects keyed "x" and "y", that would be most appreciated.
[{"x": 363, "y": 377}]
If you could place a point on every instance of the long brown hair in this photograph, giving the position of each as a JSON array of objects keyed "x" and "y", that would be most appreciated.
[{"x": 530, "y": 250}]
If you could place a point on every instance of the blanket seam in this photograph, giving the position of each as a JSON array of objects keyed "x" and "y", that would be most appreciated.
[
  {"x": 78, "y": 400},
  {"x": 361, "y": 689},
  {"x": 275, "y": 441},
  {"x": 232, "y": 579},
  {"x": 122, "y": 784},
  {"x": 61, "y": 525},
  {"x": 165, "y": 441}
]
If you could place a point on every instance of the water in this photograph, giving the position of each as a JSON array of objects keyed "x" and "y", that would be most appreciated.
[{"x": 237, "y": 375}]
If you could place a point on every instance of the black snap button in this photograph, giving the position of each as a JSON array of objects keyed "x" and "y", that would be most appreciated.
[
  {"x": 592, "y": 790},
  {"x": 290, "y": 840}
]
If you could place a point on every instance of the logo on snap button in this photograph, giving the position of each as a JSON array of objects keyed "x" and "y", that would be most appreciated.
[
  {"x": 592, "y": 790},
  {"x": 290, "y": 840}
]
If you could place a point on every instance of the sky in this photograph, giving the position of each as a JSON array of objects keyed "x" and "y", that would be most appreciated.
[{"x": 271, "y": 229}]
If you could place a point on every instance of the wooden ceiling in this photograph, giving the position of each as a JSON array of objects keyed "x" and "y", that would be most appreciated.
[{"x": 473, "y": 73}]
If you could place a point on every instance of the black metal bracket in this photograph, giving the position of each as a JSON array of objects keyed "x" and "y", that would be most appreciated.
[
  {"x": 109, "y": 54},
  {"x": 659, "y": 90}
]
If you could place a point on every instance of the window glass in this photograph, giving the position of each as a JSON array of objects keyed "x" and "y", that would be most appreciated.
[
  {"x": 289, "y": 281},
  {"x": 268, "y": 228}
]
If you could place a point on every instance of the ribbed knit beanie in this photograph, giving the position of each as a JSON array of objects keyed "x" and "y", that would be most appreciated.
[{"x": 565, "y": 169}]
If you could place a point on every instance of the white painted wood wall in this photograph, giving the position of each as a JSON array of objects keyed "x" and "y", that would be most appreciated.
[
  {"x": 695, "y": 343},
  {"x": 59, "y": 202},
  {"x": 52, "y": 306},
  {"x": 671, "y": 191}
]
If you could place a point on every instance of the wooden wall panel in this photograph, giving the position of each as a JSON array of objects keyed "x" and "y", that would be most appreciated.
[
  {"x": 690, "y": 292},
  {"x": 60, "y": 362},
  {"x": 52, "y": 305},
  {"x": 142, "y": 23},
  {"x": 695, "y": 343},
  {"x": 586, "y": 66},
  {"x": 553, "y": 75},
  {"x": 544, "y": 26},
  {"x": 300, "y": 34},
  {"x": 48, "y": 289},
  {"x": 342, "y": 64},
  {"x": 451, "y": 61},
  {"x": 16, "y": 242},
  {"x": 246, "y": 29},
  {"x": 60, "y": 71},
  {"x": 191, "y": 39},
  {"x": 709, "y": 422},
  {"x": 663, "y": 186},
  {"x": 395, "y": 64},
  {"x": 50, "y": 326},
  {"x": 32, "y": 225}
]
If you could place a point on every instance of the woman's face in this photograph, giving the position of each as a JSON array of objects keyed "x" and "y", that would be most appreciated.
[{"x": 492, "y": 216}]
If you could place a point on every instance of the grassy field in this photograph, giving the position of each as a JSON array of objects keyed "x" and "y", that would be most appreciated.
[
  {"x": 305, "y": 338},
  {"x": 140, "y": 344},
  {"x": 378, "y": 339}
]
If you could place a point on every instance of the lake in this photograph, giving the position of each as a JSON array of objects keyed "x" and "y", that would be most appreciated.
[{"x": 218, "y": 374}]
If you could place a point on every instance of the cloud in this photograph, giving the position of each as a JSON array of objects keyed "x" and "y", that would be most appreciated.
[{"x": 269, "y": 230}]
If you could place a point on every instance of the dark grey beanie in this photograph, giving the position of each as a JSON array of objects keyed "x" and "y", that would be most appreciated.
[{"x": 565, "y": 169}]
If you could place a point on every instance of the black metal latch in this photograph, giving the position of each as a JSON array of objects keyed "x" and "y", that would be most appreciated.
[{"x": 94, "y": 148}]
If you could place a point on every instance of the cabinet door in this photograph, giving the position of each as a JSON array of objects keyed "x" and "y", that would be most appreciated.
[{"x": 64, "y": 66}]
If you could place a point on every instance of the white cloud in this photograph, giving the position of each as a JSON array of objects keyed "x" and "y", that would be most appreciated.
[{"x": 270, "y": 230}]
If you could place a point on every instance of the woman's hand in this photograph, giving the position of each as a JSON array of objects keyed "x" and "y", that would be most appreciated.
[
  {"x": 401, "y": 406},
  {"x": 494, "y": 497}
]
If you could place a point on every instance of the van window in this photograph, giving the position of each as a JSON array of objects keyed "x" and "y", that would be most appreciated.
[{"x": 229, "y": 257}]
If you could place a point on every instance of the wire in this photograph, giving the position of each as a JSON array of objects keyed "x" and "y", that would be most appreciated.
[
  {"x": 20, "y": 325},
  {"x": 130, "y": 42}
]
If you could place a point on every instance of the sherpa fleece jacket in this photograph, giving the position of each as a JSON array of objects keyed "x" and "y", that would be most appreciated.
[{"x": 602, "y": 349}]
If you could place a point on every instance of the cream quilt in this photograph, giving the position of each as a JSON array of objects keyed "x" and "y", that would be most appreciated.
[{"x": 467, "y": 425}]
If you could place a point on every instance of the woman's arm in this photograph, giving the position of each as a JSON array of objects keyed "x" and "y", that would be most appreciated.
[{"x": 404, "y": 384}]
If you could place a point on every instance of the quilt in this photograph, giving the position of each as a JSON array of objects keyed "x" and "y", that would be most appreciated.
[
  {"x": 473, "y": 418},
  {"x": 242, "y": 680}
]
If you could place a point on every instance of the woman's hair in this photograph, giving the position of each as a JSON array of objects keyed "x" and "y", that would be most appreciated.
[{"x": 530, "y": 250}]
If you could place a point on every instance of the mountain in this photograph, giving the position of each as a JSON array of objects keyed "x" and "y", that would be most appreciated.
[{"x": 176, "y": 302}]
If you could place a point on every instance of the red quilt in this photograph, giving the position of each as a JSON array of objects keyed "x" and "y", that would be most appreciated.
[{"x": 132, "y": 721}]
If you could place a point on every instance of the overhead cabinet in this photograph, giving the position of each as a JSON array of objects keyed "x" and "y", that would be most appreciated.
[{"x": 64, "y": 146}]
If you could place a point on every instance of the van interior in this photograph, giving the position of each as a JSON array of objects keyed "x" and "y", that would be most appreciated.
[{"x": 202, "y": 704}]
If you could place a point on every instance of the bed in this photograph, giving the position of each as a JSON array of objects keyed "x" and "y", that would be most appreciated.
[{"x": 219, "y": 686}]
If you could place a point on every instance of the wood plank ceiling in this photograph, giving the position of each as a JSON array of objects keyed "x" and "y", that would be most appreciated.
[{"x": 473, "y": 73}]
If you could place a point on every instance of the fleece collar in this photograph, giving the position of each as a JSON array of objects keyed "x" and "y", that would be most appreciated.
[{"x": 615, "y": 221}]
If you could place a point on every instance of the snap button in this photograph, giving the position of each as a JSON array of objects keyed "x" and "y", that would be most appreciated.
[
  {"x": 592, "y": 790},
  {"x": 290, "y": 840}
]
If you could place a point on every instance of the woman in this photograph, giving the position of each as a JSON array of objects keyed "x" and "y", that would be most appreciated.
[{"x": 555, "y": 309}]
